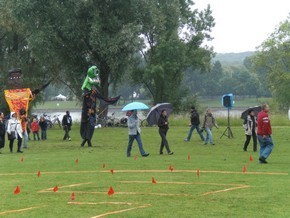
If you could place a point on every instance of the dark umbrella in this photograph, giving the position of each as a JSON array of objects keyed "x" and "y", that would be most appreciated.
[
  {"x": 154, "y": 113},
  {"x": 256, "y": 109}
]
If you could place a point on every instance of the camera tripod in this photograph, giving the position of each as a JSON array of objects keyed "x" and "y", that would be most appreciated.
[{"x": 228, "y": 132}]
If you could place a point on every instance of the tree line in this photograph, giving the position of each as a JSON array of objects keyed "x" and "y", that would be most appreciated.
[
  {"x": 157, "y": 46},
  {"x": 152, "y": 42}
]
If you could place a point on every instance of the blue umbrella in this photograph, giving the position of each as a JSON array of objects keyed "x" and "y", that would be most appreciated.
[{"x": 135, "y": 106}]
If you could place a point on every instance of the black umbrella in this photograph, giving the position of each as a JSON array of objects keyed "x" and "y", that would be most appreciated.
[
  {"x": 154, "y": 113},
  {"x": 256, "y": 109}
]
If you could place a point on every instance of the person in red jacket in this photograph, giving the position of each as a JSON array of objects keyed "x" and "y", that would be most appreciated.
[
  {"x": 35, "y": 129},
  {"x": 264, "y": 134}
]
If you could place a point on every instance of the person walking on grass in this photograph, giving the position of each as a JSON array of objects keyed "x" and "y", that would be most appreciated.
[
  {"x": 134, "y": 133},
  {"x": 194, "y": 124},
  {"x": 66, "y": 124},
  {"x": 163, "y": 129},
  {"x": 208, "y": 123},
  {"x": 264, "y": 134},
  {"x": 14, "y": 131},
  {"x": 250, "y": 124},
  {"x": 35, "y": 129}
]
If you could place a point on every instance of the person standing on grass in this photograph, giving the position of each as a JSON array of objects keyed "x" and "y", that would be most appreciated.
[
  {"x": 88, "y": 128},
  {"x": 2, "y": 132},
  {"x": 66, "y": 124},
  {"x": 134, "y": 133},
  {"x": 163, "y": 129},
  {"x": 35, "y": 129},
  {"x": 28, "y": 128},
  {"x": 24, "y": 123},
  {"x": 14, "y": 131},
  {"x": 264, "y": 134},
  {"x": 250, "y": 124},
  {"x": 194, "y": 124},
  {"x": 43, "y": 126},
  {"x": 208, "y": 124}
]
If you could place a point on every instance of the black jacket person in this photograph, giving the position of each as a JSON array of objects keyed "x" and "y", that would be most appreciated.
[
  {"x": 163, "y": 128},
  {"x": 67, "y": 123}
]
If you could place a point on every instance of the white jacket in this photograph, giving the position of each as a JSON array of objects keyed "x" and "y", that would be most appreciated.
[
  {"x": 14, "y": 125},
  {"x": 248, "y": 125}
]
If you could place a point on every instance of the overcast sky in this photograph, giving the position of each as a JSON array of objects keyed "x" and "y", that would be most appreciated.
[{"x": 242, "y": 25}]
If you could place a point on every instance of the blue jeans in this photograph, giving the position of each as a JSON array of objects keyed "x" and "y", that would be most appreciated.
[
  {"x": 43, "y": 134},
  {"x": 139, "y": 141},
  {"x": 208, "y": 136},
  {"x": 198, "y": 131},
  {"x": 266, "y": 146},
  {"x": 25, "y": 139}
]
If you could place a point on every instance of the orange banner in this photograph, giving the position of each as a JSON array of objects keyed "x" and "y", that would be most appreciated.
[{"x": 18, "y": 98}]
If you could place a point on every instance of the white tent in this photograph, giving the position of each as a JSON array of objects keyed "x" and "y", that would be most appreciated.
[{"x": 60, "y": 97}]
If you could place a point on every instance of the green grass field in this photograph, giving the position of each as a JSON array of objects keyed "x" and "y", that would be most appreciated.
[{"x": 222, "y": 189}]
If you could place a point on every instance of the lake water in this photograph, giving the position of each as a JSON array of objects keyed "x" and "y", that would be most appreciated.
[{"x": 76, "y": 115}]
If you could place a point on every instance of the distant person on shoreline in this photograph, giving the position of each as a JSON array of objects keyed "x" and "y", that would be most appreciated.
[{"x": 194, "y": 124}]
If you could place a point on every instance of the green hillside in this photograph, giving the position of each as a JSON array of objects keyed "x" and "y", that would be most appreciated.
[{"x": 232, "y": 58}]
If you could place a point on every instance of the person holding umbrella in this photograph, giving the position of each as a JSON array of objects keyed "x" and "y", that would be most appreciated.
[
  {"x": 163, "y": 128},
  {"x": 134, "y": 133},
  {"x": 250, "y": 124}
]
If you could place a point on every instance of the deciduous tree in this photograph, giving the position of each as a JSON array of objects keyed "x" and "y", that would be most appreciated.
[
  {"x": 272, "y": 59},
  {"x": 174, "y": 34}
]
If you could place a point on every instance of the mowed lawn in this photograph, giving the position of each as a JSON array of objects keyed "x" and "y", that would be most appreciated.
[{"x": 204, "y": 180}]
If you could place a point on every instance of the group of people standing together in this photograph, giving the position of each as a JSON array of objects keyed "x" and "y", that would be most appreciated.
[
  {"x": 18, "y": 128},
  {"x": 255, "y": 128}
]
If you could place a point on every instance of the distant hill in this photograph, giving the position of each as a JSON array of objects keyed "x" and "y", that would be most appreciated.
[{"x": 232, "y": 58}]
